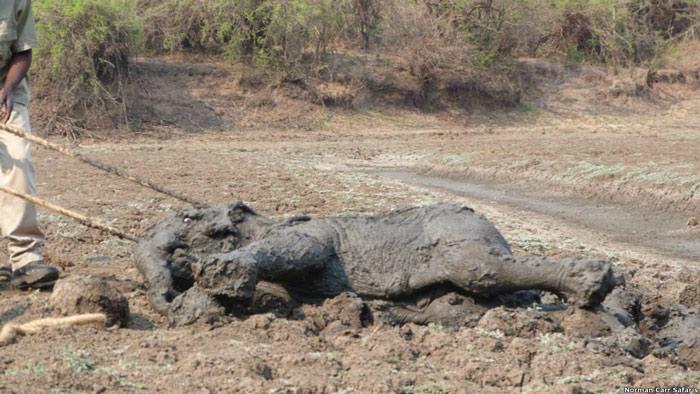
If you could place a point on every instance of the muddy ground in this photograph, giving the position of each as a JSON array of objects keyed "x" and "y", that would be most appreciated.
[{"x": 620, "y": 184}]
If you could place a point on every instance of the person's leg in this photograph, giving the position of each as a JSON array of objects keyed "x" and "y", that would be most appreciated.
[{"x": 18, "y": 219}]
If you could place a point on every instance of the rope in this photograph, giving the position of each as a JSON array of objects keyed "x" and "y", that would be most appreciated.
[
  {"x": 84, "y": 220},
  {"x": 11, "y": 331},
  {"x": 99, "y": 165}
]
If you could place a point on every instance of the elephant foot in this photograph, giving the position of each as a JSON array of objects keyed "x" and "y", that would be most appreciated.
[
  {"x": 588, "y": 282},
  {"x": 231, "y": 275}
]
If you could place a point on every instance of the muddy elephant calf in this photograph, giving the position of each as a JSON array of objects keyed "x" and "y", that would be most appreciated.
[{"x": 213, "y": 257}]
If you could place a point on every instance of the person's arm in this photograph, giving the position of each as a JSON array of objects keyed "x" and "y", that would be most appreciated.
[
  {"x": 19, "y": 65},
  {"x": 21, "y": 56}
]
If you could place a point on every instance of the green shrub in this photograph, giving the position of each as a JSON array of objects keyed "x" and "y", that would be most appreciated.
[
  {"x": 82, "y": 58},
  {"x": 366, "y": 15},
  {"x": 269, "y": 32},
  {"x": 297, "y": 34},
  {"x": 620, "y": 32},
  {"x": 300, "y": 27},
  {"x": 190, "y": 25},
  {"x": 616, "y": 32}
]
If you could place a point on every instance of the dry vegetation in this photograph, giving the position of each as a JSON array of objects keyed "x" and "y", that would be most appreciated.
[
  {"x": 444, "y": 53},
  {"x": 82, "y": 62}
]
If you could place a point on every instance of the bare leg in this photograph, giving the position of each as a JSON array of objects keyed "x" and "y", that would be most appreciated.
[{"x": 285, "y": 254}]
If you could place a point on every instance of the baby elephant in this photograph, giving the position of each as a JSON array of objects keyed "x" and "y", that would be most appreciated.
[{"x": 199, "y": 259}]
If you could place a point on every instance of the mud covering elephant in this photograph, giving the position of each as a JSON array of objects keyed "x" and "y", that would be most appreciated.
[{"x": 204, "y": 261}]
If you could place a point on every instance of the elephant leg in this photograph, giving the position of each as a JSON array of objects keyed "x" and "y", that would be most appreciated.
[
  {"x": 287, "y": 254},
  {"x": 192, "y": 305},
  {"x": 449, "y": 310},
  {"x": 159, "y": 280},
  {"x": 582, "y": 282}
]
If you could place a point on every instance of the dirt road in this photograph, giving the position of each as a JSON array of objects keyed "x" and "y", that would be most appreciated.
[{"x": 630, "y": 227}]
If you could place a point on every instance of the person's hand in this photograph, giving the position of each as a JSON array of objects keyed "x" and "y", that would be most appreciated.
[{"x": 7, "y": 103}]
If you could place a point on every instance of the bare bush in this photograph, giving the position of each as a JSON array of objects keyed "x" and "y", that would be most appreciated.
[
  {"x": 277, "y": 33},
  {"x": 81, "y": 62},
  {"x": 622, "y": 33},
  {"x": 292, "y": 34},
  {"x": 367, "y": 16}
]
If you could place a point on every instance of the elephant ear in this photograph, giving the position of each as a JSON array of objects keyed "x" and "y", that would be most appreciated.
[
  {"x": 240, "y": 212},
  {"x": 250, "y": 225}
]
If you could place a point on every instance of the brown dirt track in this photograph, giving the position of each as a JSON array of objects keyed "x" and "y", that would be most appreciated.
[{"x": 646, "y": 162}]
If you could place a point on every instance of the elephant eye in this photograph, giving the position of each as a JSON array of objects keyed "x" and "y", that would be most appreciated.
[{"x": 187, "y": 220}]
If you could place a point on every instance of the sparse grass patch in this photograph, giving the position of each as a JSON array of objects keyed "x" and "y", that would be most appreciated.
[
  {"x": 531, "y": 244},
  {"x": 694, "y": 190},
  {"x": 32, "y": 368},
  {"x": 496, "y": 334},
  {"x": 536, "y": 389},
  {"x": 82, "y": 361},
  {"x": 527, "y": 108},
  {"x": 121, "y": 379},
  {"x": 118, "y": 247},
  {"x": 556, "y": 342},
  {"x": 355, "y": 200},
  {"x": 455, "y": 159},
  {"x": 79, "y": 360},
  {"x": 580, "y": 378},
  {"x": 428, "y": 388}
]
